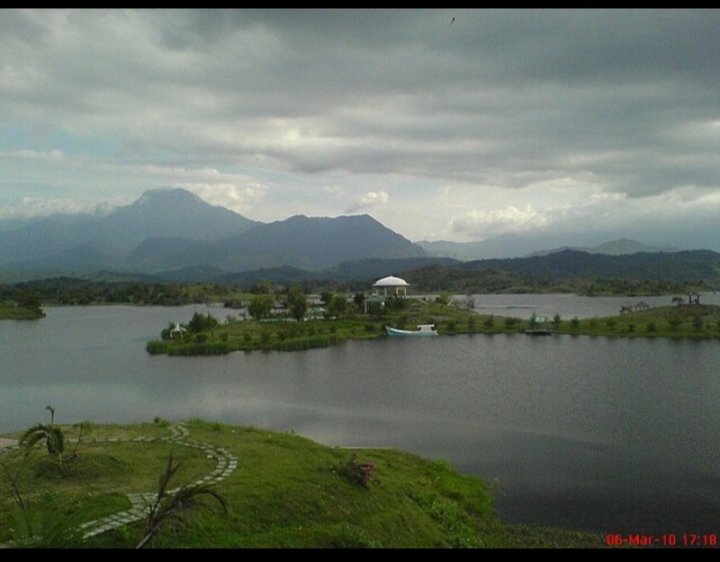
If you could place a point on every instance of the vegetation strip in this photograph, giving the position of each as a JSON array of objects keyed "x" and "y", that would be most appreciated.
[{"x": 205, "y": 335}]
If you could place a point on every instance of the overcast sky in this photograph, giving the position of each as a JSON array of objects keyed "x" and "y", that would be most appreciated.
[{"x": 450, "y": 124}]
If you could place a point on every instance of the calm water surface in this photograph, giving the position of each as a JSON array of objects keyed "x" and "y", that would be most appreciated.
[{"x": 613, "y": 435}]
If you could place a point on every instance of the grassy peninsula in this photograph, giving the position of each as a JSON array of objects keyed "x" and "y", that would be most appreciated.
[
  {"x": 280, "y": 490},
  {"x": 15, "y": 312},
  {"x": 206, "y": 336}
]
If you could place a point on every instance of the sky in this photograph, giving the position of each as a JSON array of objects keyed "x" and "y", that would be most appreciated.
[{"x": 443, "y": 124}]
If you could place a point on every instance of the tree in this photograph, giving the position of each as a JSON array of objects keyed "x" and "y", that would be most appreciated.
[
  {"x": 30, "y": 300},
  {"x": 489, "y": 322},
  {"x": 51, "y": 434},
  {"x": 83, "y": 427},
  {"x": 337, "y": 305},
  {"x": 359, "y": 299},
  {"x": 533, "y": 321},
  {"x": 674, "y": 322},
  {"x": 200, "y": 322},
  {"x": 697, "y": 322},
  {"x": 11, "y": 480},
  {"x": 261, "y": 306},
  {"x": 296, "y": 302},
  {"x": 261, "y": 288}
]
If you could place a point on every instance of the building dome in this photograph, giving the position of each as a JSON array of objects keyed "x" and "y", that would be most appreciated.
[{"x": 391, "y": 282}]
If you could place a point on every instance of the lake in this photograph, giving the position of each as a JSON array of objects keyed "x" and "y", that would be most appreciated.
[{"x": 606, "y": 434}]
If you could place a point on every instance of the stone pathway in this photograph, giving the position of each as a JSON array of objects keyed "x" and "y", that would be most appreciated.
[{"x": 140, "y": 502}]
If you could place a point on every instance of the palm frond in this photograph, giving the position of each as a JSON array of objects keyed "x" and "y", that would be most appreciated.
[
  {"x": 171, "y": 506},
  {"x": 52, "y": 434},
  {"x": 55, "y": 440},
  {"x": 33, "y": 435}
]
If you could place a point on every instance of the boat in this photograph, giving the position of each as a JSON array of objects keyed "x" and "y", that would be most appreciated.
[
  {"x": 423, "y": 330},
  {"x": 539, "y": 332}
]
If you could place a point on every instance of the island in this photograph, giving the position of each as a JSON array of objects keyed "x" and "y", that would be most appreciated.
[{"x": 367, "y": 318}]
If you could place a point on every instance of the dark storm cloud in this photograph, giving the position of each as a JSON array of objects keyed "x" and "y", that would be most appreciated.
[{"x": 615, "y": 102}]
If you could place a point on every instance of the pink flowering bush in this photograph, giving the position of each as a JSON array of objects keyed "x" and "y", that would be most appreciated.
[{"x": 357, "y": 472}]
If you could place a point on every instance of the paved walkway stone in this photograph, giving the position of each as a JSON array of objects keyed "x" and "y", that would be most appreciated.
[{"x": 140, "y": 502}]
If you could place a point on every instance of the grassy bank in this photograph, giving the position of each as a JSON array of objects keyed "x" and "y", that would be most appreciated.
[
  {"x": 675, "y": 321},
  {"x": 14, "y": 312},
  {"x": 286, "y": 491}
]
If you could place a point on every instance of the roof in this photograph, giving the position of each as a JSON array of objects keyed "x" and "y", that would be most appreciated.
[{"x": 391, "y": 282}]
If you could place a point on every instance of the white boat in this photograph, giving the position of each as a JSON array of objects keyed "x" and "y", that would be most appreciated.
[{"x": 423, "y": 330}]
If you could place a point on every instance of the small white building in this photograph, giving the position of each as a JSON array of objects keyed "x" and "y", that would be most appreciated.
[
  {"x": 399, "y": 285},
  {"x": 177, "y": 331}
]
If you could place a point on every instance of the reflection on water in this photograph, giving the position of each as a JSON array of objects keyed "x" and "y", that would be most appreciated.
[{"x": 615, "y": 435}]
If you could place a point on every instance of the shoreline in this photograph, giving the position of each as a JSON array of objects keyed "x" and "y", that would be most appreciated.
[{"x": 312, "y": 474}]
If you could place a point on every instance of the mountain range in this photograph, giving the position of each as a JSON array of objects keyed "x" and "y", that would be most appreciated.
[
  {"x": 173, "y": 235},
  {"x": 517, "y": 245},
  {"x": 167, "y": 230}
]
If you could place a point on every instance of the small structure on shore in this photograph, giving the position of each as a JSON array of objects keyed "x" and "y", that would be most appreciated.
[
  {"x": 391, "y": 282},
  {"x": 373, "y": 301},
  {"x": 176, "y": 332}
]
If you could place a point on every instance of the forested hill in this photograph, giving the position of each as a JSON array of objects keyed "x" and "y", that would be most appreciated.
[
  {"x": 699, "y": 267},
  {"x": 689, "y": 265}
]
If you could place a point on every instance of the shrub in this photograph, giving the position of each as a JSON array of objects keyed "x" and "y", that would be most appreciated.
[
  {"x": 697, "y": 323},
  {"x": 265, "y": 338},
  {"x": 201, "y": 322},
  {"x": 360, "y": 474}
]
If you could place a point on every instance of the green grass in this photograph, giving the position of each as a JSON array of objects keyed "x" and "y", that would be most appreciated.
[
  {"x": 683, "y": 321},
  {"x": 13, "y": 312},
  {"x": 286, "y": 492}
]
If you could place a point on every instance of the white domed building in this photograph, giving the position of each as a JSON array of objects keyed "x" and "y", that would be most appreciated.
[{"x": 393, "y": 283}]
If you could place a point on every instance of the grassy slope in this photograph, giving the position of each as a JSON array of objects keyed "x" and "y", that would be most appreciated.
[{"x": 287, "y": 491}]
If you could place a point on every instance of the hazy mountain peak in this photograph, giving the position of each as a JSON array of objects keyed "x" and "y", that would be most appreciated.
[
  {"x": 154, "y": 196},
  {"x": 619, "y": 247}
]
